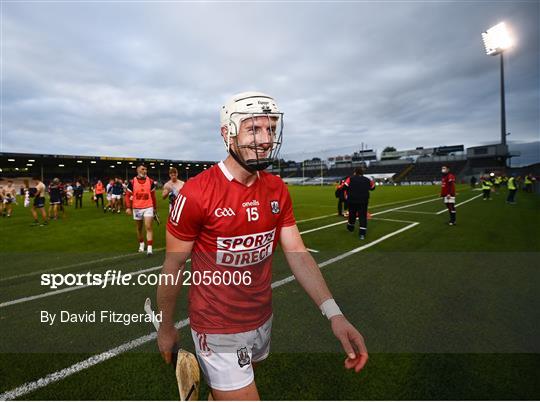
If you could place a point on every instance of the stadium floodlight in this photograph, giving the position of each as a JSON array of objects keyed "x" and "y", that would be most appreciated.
[
  {"x": 118, "y": 163},
  {"x": 112, "y": 166},
  {"x": 29, "y": 164},
  {"x": 92, "y": 161},
  {"x": 11, "y": 160},
  {"x": 60, "y": 165},
  {"x": 79, "y": 161},
  {"x": 31, "y": 160},
  {"x": 496, "y": 40}
]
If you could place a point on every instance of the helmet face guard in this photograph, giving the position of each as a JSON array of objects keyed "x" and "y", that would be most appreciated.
[
  {"x": 260, "y": 146},
  {"x": 254, "y": 130}
]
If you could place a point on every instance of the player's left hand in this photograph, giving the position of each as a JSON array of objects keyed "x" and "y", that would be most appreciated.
[{"x": 352, "y": 342}]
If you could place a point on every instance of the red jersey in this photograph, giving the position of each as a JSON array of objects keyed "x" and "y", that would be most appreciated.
[
  {"x": 234, "y": 228},
  {"x": 448, "y": 185},
  {"x": 141, "y": 193}
]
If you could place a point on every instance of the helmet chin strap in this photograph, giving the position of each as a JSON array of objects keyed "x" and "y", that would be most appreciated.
[{"x": 252, "y": 168}]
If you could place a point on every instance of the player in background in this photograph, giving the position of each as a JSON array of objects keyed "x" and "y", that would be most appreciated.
[
  {"x": 2, "y": 205},
  {"x": 78, "y": 193},
  {"x": 172, "y": 188},
  {"x": 38, "y": 192},
  {"x": 116, "y": 195},
  {"x": 69, "y": 194},
  {"x": 448, "y": 192},
  {"x": 108, "y": 190},
  {"x": 9, "y": 198},
  {"x": 230, "y": 219},
  {"x": 55, "y": 198},
  {"x": 141, "y": 197},
  {"x": 98, "y": 190}
]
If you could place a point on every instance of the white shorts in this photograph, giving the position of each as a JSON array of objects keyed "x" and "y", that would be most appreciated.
[
  {"x": 109, "y": 197},
  {"x": 116, "y": 196},
  {"x": 139, "y": 213},
  {"x": 226, "y": 359},
  {"x": 449, "y": 199}
]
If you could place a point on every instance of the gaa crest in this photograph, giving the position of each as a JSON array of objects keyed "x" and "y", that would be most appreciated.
[
  {"x": 274, "y": 205},
  {"x": 243, "y": 357}
]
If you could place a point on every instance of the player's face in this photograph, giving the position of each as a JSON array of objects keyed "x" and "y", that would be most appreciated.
[
  {"x": 173, "y": 176},
  {"x": 256, "y": 137},
  {"x": 142, "y": 171}
]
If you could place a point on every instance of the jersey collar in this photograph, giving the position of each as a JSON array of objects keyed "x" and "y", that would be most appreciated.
[{"x": 227, "y": 173}]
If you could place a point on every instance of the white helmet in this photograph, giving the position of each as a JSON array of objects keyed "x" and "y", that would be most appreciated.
[{"x": 244, "y": 106}]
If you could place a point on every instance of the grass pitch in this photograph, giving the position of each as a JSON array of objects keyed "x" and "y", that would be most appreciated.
[{"x": 447, "y": 312}]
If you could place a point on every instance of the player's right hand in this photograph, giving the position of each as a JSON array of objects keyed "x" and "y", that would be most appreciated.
[
  {"x": 128, "y": 211},
  {"x": 167, "y": 341}
]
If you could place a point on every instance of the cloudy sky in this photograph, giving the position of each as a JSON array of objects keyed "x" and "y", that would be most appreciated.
[{"x": 147, "y": 79}]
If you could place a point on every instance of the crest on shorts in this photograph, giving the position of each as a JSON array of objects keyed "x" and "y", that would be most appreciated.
[
  {"x": 275, "y": 207},
  {"x": 243, "y": 357}
]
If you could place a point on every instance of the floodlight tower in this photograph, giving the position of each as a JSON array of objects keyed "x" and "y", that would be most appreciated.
[{"x": 496, "y": 41}]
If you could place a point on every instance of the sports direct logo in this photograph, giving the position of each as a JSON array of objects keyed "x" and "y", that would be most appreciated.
[{"x": 241, "y": 251}]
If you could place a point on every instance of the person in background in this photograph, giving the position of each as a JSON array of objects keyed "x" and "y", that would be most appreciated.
[
  {"x": 141, "y": 196},
  {"x": 448, "y": 192},
  {"x": 512, "y": 189},
  {"x": 486, "y": 187},
  {"x": 172, "y": 188},
  {"x": 78, "y": 193},
  {"x": 358, "y": 189},
  {"x": 341, "y": 196},
  {"x": 99, "y": 189},
  {"x": 55, "y": 198},
  {"x": 38, "y": 192},
  {"x": 9, "y": 198}
]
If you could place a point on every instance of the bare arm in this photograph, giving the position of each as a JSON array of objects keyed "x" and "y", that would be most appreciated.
[
  {"x": 165, "y": 192},
  {"x": 177, "y": 253},
  {"x": 306, "y": 271}
]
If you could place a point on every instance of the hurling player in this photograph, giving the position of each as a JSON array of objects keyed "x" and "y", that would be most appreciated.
[
  {"x": 172, "y": 188},
  {"x": 141, "y": 196},
  {"x": 448, "y": 192},
  {"x": 230, "y": 219}
]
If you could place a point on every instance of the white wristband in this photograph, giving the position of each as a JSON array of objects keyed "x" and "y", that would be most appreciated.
[{"x": 329, "y": 308}]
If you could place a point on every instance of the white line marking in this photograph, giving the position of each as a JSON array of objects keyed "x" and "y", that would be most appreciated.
[
  {"x": 70, "y": 289},
  {"x": 78, "y": 264},
  {"x": 419, "y": 212},
  {"x": 94, "y": 360},
  {"x": 315, "y": 218},
  {"x": 82, "y": 365},
  {"x": 392, "y": 220},
  {"x": 461, "y": 203},
  {"x": 348, "y": 253},
  {"x": 404, "y": 206},
  {"x": 312, "y": 250},
  {"x": 79, "y": 287}
]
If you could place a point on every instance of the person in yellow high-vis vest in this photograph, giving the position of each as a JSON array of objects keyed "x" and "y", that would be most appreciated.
[
  {"x": 528, "y": 182},
  {"x": 486, "y": 187},
  {"x": 512, "y": 189}
]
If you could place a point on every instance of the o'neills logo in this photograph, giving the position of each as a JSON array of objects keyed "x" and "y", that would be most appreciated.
[
  {"x": 241, "y": 251},
  {"x": 253, "y": 203}
]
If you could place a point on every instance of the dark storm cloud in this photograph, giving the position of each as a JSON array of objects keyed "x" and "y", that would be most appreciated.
[{"x": 147, "y": 79}]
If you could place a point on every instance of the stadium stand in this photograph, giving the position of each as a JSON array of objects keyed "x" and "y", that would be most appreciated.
[{"x": 88, "y": 169}]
